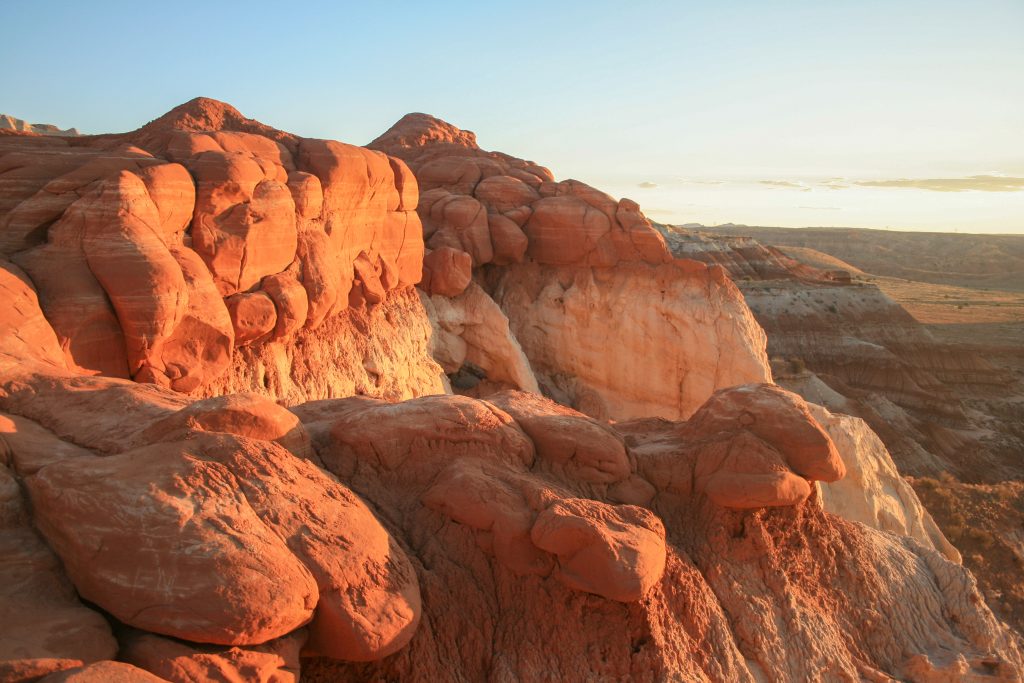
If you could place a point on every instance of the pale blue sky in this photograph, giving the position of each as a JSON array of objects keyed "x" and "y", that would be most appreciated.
[{"x": 705, "y": 101}]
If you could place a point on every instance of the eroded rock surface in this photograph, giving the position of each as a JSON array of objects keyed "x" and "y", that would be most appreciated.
[
  {"x": 157, "y": 253},
  {"x": 309, "y": 506}
]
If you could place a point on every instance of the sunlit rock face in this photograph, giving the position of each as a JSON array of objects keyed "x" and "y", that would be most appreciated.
[
  {"x": 225, "y": 452},
  {"x": 157, "y": 254},
  {"x": 611, "y": 323}
]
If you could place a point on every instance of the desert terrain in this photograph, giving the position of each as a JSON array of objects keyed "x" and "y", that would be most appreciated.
[
  {"x": 972, "y": 307},
  {"x": 276, "y": 407}
]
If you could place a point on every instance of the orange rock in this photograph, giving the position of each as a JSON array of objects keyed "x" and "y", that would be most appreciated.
[
  {"x": 581, "y": 447},
  {"x": 246, "y": 415},
  {"x": 614, "y": 551},
  {"x": 199, "y": 349},
  {"x": 508, "y": 239},
  {"x": 502, "y": 193},
  {"x": 142, "y": 279},
  {"x": 274, "y": 662},
  {"x": 321, "y": 275},
  {"x": 44, "y": 626},
  {"x": 26, "y": 339},
  {"x": 308, "y": 194},
  {"x": 446, "y": 271},
  {"x": 78, "y": 308},
  {"x": 173, "y": 191},
  {"x": 290, "y": 301},
  {"x": 211, "y": 571},
  {"x": 104, "y": 672},
  {"x": 253, "y": 316},
  {"x": 566, "y": 230},
  {"x": 466, "y": 218},
  {"x": 244, "y": 224}
]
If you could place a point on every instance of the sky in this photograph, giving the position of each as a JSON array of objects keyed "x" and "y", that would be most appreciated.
[{"x": 898, "y": 114}]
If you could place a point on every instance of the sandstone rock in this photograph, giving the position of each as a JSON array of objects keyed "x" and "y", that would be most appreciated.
[
  {"x": 321, "y": 275},
  {"x": 246, "y": 415},
  {"x": 566, "y": 230},
  {"x": 290, "y": 301},
  {"x": 172, "y": 190},
  {"x": 471, "y": 328},
  {"x": 307, "y": 193},
  {"x": 617, "y": 552},
  {"x": 502, "y": 193},
  {"x": 873, "y": 492},
  {"x": 253, "y": 316},
  {"x": 78, "y": 308},
  {"x": 26, "y": 446},
  {"x": 142, "y": 279},
  {"x": 104, "y": 672},
  {"x": 446, "y": 271},
  {"x": 244, "y": 224},
  {"x": 202, "y": 564},
  {"x": 178, "y": 662},
  {"x": 466, "y": 219},
  {"x": 602, "y": 365},
  {"x": 583, "y": 448},
  {"x": 510, "y": 242},
  {"x": 199, "y": 349},
  {"x": 43, "y": 626},
  {"x": 25, "y": 336},
  {"x": 381, "y": 351}
]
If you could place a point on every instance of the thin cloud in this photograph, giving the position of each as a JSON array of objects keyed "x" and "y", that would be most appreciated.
[
  {"x": 701, "y": 182},
  {"x": 836, "y": 184},
  {"x": 647, "y": 184},
  {"x": 979, "y": 183},
  {"x": 785, "y": 184},
  {"x": 822, "y": 208}
]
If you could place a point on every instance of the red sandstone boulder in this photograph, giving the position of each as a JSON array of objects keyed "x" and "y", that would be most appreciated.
[
  {"x": 246, "y": 415},
  {"x": 580, "y": 446},
  {"x": 290, "y": 301},
  {"x": 502, "y": 193},
  {"x": 244, "y": 224},
  {"x": 142, "y": 279},
  {"x": 104, "y": 672},
  {"x": 614, "y": 551},
  {"x": 446, "y": 271},
  {"x": 209, "y": 570},
  {"x": 25, "y": 336},
  {"x": 43, "y": 626},
  {"x": 199, "y": 349},
  {"x": 466, "y": 219},
  {"x": 509, "y": 241},
  {"x": 77, "y": 307},
  {"x": 173, "y": 660},
  {"x": 565, "y": 230},
  {"x": 253, "y": 316},
  {"x": 174, "y": 193}
]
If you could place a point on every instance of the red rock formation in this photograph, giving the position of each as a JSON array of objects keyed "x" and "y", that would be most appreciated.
[
  {"x": 156, "y": 252},
  {"x": 439, "y": 538},
  {"x": 551, "y": 254}
]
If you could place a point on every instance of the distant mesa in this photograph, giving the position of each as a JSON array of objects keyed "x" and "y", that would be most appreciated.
[{"x": 16, "y": 125}]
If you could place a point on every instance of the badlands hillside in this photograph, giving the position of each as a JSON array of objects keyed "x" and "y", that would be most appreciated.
[
  {"x": 275, "y": 407},
  {"x": 936, "y": 370},
  {"x": 959, "y": 259}
]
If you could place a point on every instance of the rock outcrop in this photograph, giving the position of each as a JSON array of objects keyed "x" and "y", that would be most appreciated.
[
  {"x": 160, "y": 254},
  {"x": 230, "y": 452},
  {"x": 873, "y": 492},
  {"x": 12, "y": 124},
  {"x": 553, "y": 255}
]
